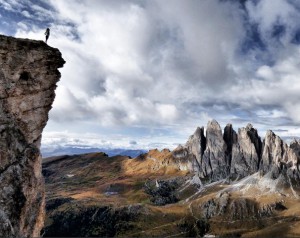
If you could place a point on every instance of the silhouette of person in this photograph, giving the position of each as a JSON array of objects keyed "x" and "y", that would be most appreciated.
[{"x": 47, "y": 34}]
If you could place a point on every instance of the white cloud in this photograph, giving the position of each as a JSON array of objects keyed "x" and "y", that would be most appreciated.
[
  {"x": 23, "y": 26},
  {"x": 26, "y": 14},
  {"x": 66, "y": 139},
  {"x": 147, "y": 57},
  {"x": 281, "y": 11},
  {"x": 41, "y": 13},
  {"x": 265, "y": 72},
  {"x": 173, "y": 64},
  {"x": 10, "y": 5}
]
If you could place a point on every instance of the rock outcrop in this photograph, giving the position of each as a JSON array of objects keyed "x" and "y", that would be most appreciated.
[
  {"x": 246, "y": 152},
  {"x": 275, "y": 151},
  {"x": 215, "y": 163},
  {"x": 196, "y": 145},
  {"x": 234, "y": 155},
  {"x": 28, "y": 77},
  {"x": 235, "y": 208}
]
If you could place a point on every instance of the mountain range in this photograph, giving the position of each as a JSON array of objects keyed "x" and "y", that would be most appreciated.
[
  {"x": 235, "y": 155},
  {"x": 72, "y": 150},
  {"x": 223, "y": 183}
]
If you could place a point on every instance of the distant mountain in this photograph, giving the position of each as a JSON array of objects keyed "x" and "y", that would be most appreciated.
[
  {"x": 49, "y": 152},
  {"x": 221, "y": 183}
]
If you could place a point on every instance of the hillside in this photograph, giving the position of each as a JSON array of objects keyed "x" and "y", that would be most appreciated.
[
  {"x": 97, "y": 195},
  {"x": 167, "y": 193}
]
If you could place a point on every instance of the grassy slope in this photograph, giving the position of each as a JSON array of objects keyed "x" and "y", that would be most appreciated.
[{"x": 86, "y": 178}]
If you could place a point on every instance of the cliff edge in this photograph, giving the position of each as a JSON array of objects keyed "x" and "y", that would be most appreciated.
[{"x": 28, "y": 77}]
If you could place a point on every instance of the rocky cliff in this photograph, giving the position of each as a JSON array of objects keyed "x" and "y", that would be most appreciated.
[
  {"x": 236, "y": 155},
  {"x": 28, "y": 77}
]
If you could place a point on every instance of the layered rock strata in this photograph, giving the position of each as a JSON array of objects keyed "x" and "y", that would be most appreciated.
[
  {"x": 28, "y": 77},
  {"x": 236, "y": 155}
]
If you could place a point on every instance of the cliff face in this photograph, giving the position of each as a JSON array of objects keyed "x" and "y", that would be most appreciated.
[
  {"x": 237, "y": 155},
  {"x": 28, "y": 77},
  {"x": 214, "y": 160}
]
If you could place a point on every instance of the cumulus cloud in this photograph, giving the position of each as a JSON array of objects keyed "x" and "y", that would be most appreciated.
[
  {"x": 139, "y": 61},
  {"x": 66, "y": 139},
  {"x": 172, "y": 65},
  {"x": 10, "y": 5}
]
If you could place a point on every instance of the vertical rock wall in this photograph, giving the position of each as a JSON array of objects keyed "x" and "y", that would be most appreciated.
[
  {"x": 246, "y": 152},
  {"x": 28, "y": 77},
  {"x": 196, "y": 146},
  {"x": 214, "y": 159},
  {"x": 236, "y": 155}
]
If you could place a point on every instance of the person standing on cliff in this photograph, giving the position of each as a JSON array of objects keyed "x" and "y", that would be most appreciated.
[{"x": 47, "y": 34}]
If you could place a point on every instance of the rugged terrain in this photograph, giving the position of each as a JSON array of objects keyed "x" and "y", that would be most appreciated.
[
  {"x": 28, "y": 77},
  {"x": 221, "y": 183}
]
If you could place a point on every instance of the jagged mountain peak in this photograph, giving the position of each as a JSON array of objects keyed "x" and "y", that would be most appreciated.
[
  {"x": 294, "y": 143},
  {"x": 229, "y": 154},
  {"x": 199, "y": 131},
  {"x": 270, "y": 133},
  {"x": 213, "y": 125},
  {"x": 249, "y": 126},
  {"x": 233, "y": 182}
]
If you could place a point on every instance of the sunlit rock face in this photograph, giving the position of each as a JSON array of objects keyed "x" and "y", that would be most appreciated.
[
  {"x": 28, "y": 77},
  {"x": 231, "y": 155},
  {"x": 215, "y": 164},
  {"x": 246, "y": 152}
]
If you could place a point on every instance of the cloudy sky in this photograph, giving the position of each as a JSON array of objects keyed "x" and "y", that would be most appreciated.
[{"x": 143, "y": 74}]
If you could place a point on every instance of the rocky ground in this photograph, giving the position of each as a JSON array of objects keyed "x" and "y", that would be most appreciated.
[{"x": 156, "y": 195}]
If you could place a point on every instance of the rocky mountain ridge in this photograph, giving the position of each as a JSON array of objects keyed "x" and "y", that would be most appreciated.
[
  {"x": 236, "y": 155},
  {"x": 28, "y": 77},
  {"x": 219, "y": 184},
  {"x": 158, "y": 195}
]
